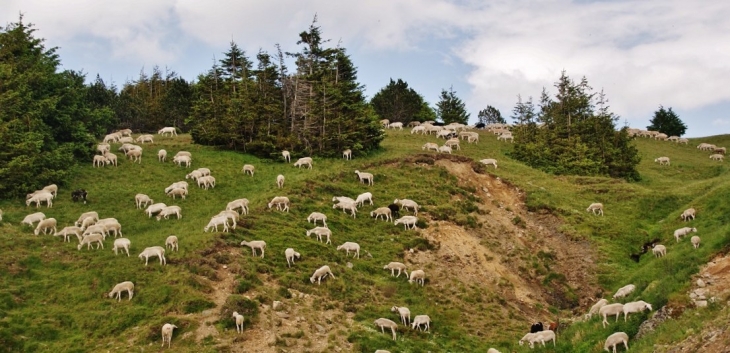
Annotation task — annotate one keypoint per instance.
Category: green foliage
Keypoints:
(668, 122)
(491, 115)
(398, 102)
(450, 108)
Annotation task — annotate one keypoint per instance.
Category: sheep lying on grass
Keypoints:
(153, 251)
(119, 288)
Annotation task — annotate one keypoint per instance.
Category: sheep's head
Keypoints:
(648, 306)
(311, 279)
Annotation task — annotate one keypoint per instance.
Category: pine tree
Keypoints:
(490, 115)
(450, 109)
(399, 103)
(668, 122)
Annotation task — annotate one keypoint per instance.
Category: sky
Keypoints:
(642, 54)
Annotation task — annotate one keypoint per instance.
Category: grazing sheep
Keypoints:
(396, 125)
(179, 184)
(661, 136)
(421, 320)
(346, 205)
(717, 157)
(281, 202)
(154, 208)
(125, 132)
(167, 334)
(673, 138)
(195, 174)
(366, 178)
(489, 161)
(167, 130)
(445, 149)
(687, 214)
(350, 246)
(706, 146)
(596, 206)
(32, 218)
(366, 196)
(232, 215)
(135, 155)
(53, 189)
(317, 216)
(635, 307)
(342, 199)
(162, 155)
(304, 161)
(453, 143)
(153, 251)
(39, 198)
(103, 147)
(239, 321)
(248, 169)
(683, 231)
(121, 243)
(206, 181)
(662, 160)
(256, 244)
(321, 273)
(417, 276)
(624, 291)
(186, 153)
(142, 199)
(110, 138)
(280, 181)
(493, 350)
(290, 255)
(542, 337)
(46, 225)
(659, 250)
(430, 146)
(215, 222)
(320, 232)
(615, 339)
(180, 160)
(392, 266)
(383, 323)
(597, 306)
(144, 138)
(92, 238)
(115, 226)
(610, 309)
(394, 210)
(95, 229)
(385, 122)
(409, 222)
(125, 139)
(121, 287)
(683, 140)
(171, 241)
(384, 351)
(286, 155)
(347, 154)
(506, 137)
(178, 192)
(474, 138)
(238, 204)
(695, 241)
(405, 314)
(382, 211)
(406, 203)
(67, 231)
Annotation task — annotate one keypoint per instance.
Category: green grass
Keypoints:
(53, 296)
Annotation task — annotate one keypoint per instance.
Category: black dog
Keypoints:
(78, 195)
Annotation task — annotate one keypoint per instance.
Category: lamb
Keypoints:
(286, 155)
(239, 321)
(690, 212)
(421, 320)
(350, 246)
(541, 337)
(166, 130)
(615, 339)
(180, 160)
(383, 323)
(382, 211)
(596, 206)
(717, 157)
(92, 238)
(347, 154)
(32, 218)
(256, 244)
(430, 146)
(167, 334)
(417, 276)
(121, 243)
(635, 307)
(624, 291)
(153, 251)
(280, 181)
(366, 178)
(281, 202)
(142, 199)
(102, 147)
(406, 203)
(178, 192)
(121, 287)
(418, 130)
(610, 309)
(409, 222)
(162, 155)
(248, 169)
(444, 149)
(659, 250)
(53, 189)
(320, 232)
(206, 181)
(46, 225)
(321, 273)
(317, 216)
(154, 208)
(695, 241)
(364, 197)
(662, 160)
(135, 155)
(304, 161)
(110, 158)
(67, 231)
(344, 205)
(168, 211)
(489, 161)
(195, 174)
(185, 153)
(236, 204)
(597, 306)
(683, 231)
(392, 266)
(39, 198)
(453, 143)
(215, 222)
(144, 138)
(290, 255)
(171, 241)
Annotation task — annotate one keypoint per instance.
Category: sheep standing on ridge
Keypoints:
(119, 288)
(167, 334)
(615, 339)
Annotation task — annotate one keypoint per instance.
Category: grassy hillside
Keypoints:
(53, 296)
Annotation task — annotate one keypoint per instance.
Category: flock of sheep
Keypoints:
(718, 153)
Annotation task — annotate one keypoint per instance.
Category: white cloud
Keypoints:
(721, 122)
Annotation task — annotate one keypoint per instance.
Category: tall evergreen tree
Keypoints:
(450, 108)
(491, 115)
(668, 122)
(399, 103)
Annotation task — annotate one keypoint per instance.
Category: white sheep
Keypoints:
(206, 182)
(717, 157)
(683, 231)
(321, 273)
(46, 225)
(184, 153)
(67, 231)
(396, 125)
(281, 202)
(125, 132)
(238, 204)
(405, 314)
(180, 160)
(444, 149)
(32, 218)
(421, 320)
(144, 138)
(239, 321)
(659, 250)
(176, 185)
(683, 140)
(255, 244)
(489, 161)
(135, 155)
(167, 130)
(342, 199)
(39, 198)
(87, 222)
(420, 129)
(215, 222)
(695, 241)
(95, 229)
(110, 138)
(167, 334)
(92, 238)
(609, 310)
(392, 266)
(635, 307)
(320, 232)
(506, 137)
(280, 181)
(91, 214)
(382, 211)
(409, 222)
(383, 323)
(154, 208)
(125, 139)
(195, 174)
(286, 155)
(162, 155)
(542, 337)
(406, 203)
(121, 244)
(153, 251)
(417, 276)
(366, 178)
(350, 246)
(248, 169)
(127, 147)
(384, 351)
(624, 291)
(168, 211)
(493, 350)
(615, 339)
(317, 216)
(345, 205)
(53, 189)
(142, 199)
(453, 143)
(171, 241)
(596, 206)
(121, 287)
(1, 215)
(597, 306)
(662, 160)
(178, 192)
(687, 214)
(347, 154)
(103, 147)
(290, 255)
(304, 161)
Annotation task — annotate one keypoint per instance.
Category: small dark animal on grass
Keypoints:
(78, 195)
(553, 326)
(536, 327)
(394, 210)
(480, 125)
(644, 248)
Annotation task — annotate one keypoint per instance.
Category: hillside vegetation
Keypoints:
(530, 230)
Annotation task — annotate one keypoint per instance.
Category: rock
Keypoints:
(277, 305)
(701, 303)
(225, 266)
(282, 315)
(320, 328)
(692, 296)
(208, 312)
(301, 295)
(349, 265)
(649, 325)
(700, 283)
